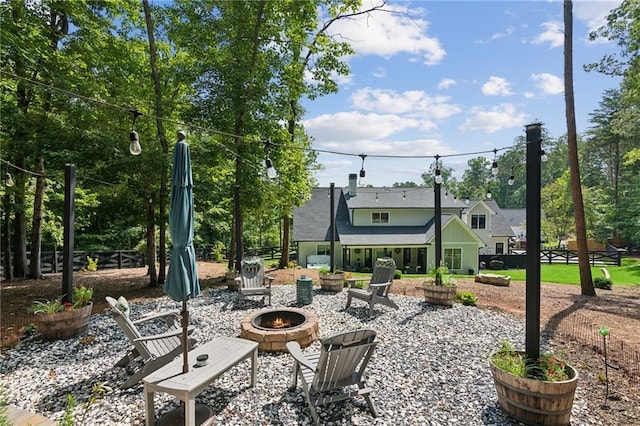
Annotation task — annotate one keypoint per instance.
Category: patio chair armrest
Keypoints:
(238, 280)
(157, 315)
(270, 280)
(380, 285)
(298, 356)
(172, 333)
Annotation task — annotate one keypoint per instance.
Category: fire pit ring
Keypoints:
(291, 324)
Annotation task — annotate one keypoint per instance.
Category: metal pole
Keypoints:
(238, 227)
(532, 313)
(332, 228)
(438, 225)
(69, 218)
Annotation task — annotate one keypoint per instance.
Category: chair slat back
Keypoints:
(252, 272)
(343, 359)
(383, 271)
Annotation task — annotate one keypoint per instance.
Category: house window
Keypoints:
(478, 221)
(379, 217)
(453, 258)
(322, 249)
(499, 248)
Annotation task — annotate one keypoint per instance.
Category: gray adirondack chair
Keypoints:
(252, 280)
(148, 353)
(379, 285)
(333, 373)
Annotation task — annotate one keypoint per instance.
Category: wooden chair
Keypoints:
(252, 281)
(379, 285)
(148, 352)
(332, 374)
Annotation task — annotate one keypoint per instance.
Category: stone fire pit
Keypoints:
(273, 328)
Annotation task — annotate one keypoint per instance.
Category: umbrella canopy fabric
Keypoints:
(182, 280)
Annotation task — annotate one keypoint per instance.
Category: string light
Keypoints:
(512, 178)
(8, 180)
(134, 146)
(494, 166)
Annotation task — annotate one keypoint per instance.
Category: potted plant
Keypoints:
(331, 281)
(56, 319)
(537, 391)
(441, 289)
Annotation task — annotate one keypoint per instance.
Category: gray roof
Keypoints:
(312, 220)
(398, 198)
(515, 217)
(500, 226)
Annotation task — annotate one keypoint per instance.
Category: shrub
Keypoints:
(397, 274)
(92, 263)
(467, 298)
(602, 282)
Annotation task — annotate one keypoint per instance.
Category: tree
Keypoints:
(586, 282)
(558, 222)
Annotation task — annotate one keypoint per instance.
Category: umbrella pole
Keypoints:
(185, 338)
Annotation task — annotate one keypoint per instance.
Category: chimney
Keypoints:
(353, 184)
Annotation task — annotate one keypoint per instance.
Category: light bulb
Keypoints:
(494, 168)
(8, 181)
(438, 177)
(377, 197)
(362, 173)
(489, 194)
(511, 180)
(271, 171)
(543, 156)
(134, 147)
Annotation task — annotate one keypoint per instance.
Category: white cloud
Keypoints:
(552, 34)
(497, 86)
(529, 95)
(387, 34)
(346, 127)
(549, 84)
(496, 36)
(493, 119)
(414, 103)
(379, 72)
(445, 83)
(594, 13)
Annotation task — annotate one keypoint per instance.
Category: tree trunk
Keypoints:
(19, 223)
(151, 245)
(35, 268)
(157, 88)
(586, 283)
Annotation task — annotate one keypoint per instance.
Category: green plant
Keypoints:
(602, 282)
(81, 296)
(92, 264)
(443, 277)
(547, 367)
(467, 298)
(323, 270)
(397, 274)
(47, 306)
(29, 330)
(604, 332)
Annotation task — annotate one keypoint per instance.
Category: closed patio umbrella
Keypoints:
(182, 280)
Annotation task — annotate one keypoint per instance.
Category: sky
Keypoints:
(452, 77)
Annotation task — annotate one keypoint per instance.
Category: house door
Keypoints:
(421, 262)
(406, 258)
(368, 259)
(346, 259)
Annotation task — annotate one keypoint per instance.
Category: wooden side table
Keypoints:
(223, 352)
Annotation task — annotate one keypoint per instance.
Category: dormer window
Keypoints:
(478, 221)
(379, 217)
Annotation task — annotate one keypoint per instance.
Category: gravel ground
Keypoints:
(430, 367)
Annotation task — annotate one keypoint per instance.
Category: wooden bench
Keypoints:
(223, 352)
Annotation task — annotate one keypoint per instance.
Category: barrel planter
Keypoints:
(439, 294)
(536, 402)
(65, 324)
(332, 281)
(232, 284)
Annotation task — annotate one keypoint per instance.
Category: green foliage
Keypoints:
(92, 264)
(68, 418)
(397, 274)
(602, 282)
(81, 296)
(47, 306)
(547, 367)
(29, 330)
(323, 270)
(467, 298)
(442, 274)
